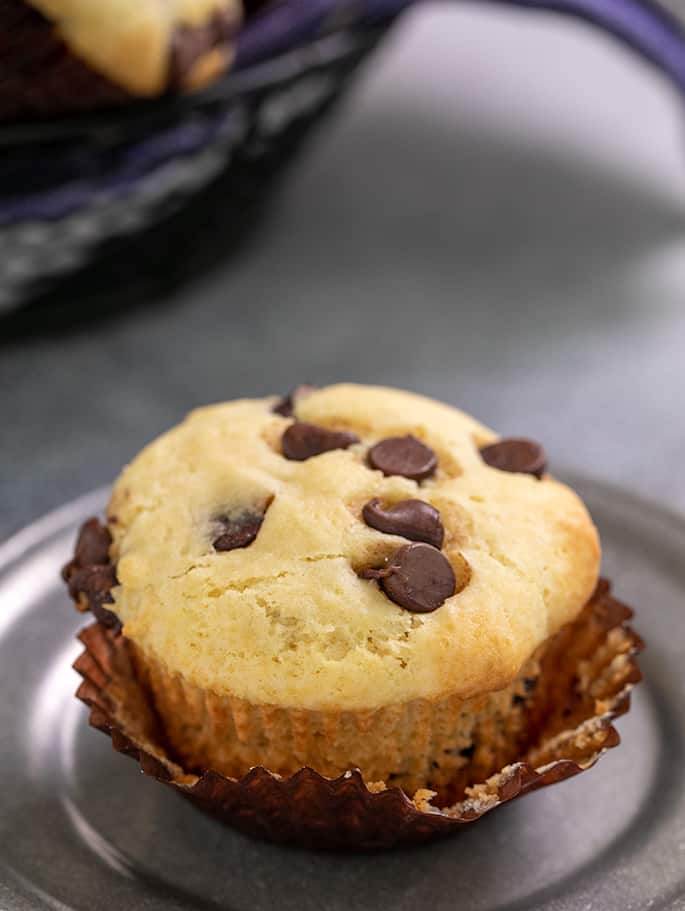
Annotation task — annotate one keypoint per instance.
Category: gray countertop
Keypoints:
(496, 217)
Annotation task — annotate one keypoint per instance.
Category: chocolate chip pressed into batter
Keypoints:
(302, 441)
(405, 456)
(413, 519)
(418, 577)
(237, 531)
(517, 455)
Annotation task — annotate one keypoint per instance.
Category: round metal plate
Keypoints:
(80, 828)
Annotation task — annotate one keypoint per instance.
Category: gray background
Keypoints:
(496, 216)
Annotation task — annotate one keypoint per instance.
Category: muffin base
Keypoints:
(443, 745)
(585, 677)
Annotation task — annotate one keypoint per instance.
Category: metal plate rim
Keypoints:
(28, 542)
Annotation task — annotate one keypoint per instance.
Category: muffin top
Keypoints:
(345, 548)
(146, 46)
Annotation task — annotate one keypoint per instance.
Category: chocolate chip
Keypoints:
(404, 456)
(237, 531)
(92, 546)
(413, 519)
(418, 577)
(95, 583)
(90, 574)
(303, 441)
(517, 455)
(286, 406)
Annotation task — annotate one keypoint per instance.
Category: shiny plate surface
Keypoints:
(80, 828)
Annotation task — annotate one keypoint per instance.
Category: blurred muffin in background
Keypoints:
(59, 57)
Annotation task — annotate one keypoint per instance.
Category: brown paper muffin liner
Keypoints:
(585, 677)
(442, 745)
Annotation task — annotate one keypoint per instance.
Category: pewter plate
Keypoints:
(80, 828)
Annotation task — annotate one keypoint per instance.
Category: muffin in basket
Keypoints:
(351, 617)
(62, 56)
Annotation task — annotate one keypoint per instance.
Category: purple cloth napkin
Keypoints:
(643, 24)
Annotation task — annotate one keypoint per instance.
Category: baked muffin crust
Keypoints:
(286, 620)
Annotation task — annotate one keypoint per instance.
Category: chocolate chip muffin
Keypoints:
(62, 56)
(349, 578)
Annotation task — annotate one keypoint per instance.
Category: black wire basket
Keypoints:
(70, 187)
